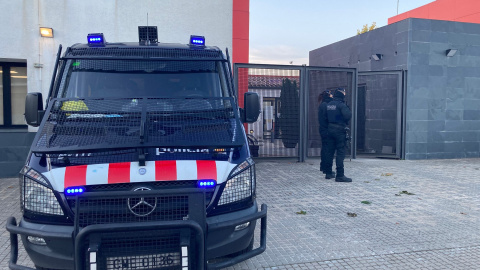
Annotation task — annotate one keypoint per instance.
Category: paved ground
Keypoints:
(436, 227)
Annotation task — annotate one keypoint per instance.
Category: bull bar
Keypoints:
(198, 227)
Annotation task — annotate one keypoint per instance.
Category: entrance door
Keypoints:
(288, 125)
(13, 89)
(379, 114)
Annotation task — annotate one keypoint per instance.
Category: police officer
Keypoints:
(325, 97)
(338, 115)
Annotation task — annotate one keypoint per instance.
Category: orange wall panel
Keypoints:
(474, 18)
(240, 31)
(243, 5)
(399, 17)
(241, 44)
(442, 10)
(419, 13)
(465, 9)
(240, 26)
(447, 10)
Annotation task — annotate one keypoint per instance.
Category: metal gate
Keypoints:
(380, 114)
(288, 122)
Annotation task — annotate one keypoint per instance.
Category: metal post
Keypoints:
(353, 131)
(404, 114)
(303, 115)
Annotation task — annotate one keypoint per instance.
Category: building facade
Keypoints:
(441, 99)
(27, 59)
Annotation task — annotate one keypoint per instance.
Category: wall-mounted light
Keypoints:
(377, 56)
(451, 52)
(46, 32)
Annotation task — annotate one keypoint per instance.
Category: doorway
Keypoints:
(13, 89)
(379, 114)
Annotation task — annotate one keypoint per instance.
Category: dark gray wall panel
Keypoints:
(14, 148)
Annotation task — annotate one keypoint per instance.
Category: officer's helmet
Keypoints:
(326, 94)
(339, 93)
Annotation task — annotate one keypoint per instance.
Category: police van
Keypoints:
(140, 161)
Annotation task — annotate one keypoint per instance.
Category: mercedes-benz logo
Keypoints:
(142, 206)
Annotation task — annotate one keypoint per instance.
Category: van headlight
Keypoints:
(37, 195)
(240, 183)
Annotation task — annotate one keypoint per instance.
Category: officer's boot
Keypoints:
(341, 176)
(343, 179)
(329, 175)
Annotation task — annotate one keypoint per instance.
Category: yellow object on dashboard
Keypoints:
(74, 106)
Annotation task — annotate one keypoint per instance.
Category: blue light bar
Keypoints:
(206, 183)
(197, 40)
(96, 39)
(74, 191)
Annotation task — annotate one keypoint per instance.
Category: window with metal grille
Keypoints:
(136, 78)
(103, 124)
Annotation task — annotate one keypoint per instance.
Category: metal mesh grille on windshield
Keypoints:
(153, 52)
(95, 124)
(143, 66)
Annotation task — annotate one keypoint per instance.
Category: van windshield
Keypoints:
(106, 105)
(137, 78)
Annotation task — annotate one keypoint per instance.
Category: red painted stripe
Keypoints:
(165, 170)
(206, 169)
(75, 176)
(119, 172)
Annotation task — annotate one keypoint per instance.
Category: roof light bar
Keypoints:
(197, 40)
(96, 39)
(206, 183)
(70, 191)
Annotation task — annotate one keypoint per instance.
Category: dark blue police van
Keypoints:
(140, 161)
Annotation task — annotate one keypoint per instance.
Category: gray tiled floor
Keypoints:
(436, 228)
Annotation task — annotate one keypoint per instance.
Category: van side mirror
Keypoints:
(34, 109)
(251, 107)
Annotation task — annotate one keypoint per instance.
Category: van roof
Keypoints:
(132, 50)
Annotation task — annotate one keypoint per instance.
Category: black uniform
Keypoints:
(323, 130)
(338, 115)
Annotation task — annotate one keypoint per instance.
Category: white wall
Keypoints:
(72, 20)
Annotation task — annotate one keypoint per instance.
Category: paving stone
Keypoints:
(436, 228)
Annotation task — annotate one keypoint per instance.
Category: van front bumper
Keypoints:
(220, 239)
